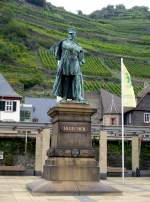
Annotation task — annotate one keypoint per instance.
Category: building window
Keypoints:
(146, 117)
(2, 105)
(9, 106)
(35, 120)
(25, 116)
(130, 118)
(113, 121)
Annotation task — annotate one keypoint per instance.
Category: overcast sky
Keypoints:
(87, 6)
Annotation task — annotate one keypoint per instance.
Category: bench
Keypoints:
(115, 171)
(12, 170)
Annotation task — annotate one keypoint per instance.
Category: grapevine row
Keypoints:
(93, 65)
(134, 67)
(114, 88)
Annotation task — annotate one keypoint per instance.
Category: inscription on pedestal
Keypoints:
(74, 129)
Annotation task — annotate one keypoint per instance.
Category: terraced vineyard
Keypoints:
(137, 68)
(92, 66)
(112, 62)
(47, 59)
(110, 86)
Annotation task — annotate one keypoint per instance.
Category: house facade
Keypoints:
(140, 116)
(9, 102)
(108, 107)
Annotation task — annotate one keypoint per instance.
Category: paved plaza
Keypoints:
(13, 189)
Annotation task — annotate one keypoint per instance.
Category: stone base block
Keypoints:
(74, 169)
(70, 187)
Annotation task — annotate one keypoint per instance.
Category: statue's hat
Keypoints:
(71, 30)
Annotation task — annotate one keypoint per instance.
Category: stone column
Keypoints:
(103, 154)
(135, 154)
(42, 145)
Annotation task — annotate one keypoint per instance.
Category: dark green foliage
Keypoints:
(120, 10)
(8, 159)
(31, 146)
(18, 146)
(7, 147)
(29, 82)
(37, 2)
(15, 31)
(114, 154)
(110, 12)
(80, 12)
(6, 15)
(139, 9)
(145, 155)
(6, 53)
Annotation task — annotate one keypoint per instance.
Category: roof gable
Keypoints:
(40, 108)
(144, 102)
(142, 95)
(110, 102)
(6, 90)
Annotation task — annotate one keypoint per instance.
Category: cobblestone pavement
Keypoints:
(13, 189)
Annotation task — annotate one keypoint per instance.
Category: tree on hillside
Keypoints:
(80, 12)
(120, 10)
(37, 2)
(139, 9)
(6, 15)
(109, 11)
(106, 13)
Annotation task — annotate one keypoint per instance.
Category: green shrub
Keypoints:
(13, 30)
(8, 159)
(6, 53)
(37, 2)
(6, 15)
(29, 82)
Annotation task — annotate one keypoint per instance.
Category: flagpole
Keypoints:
(122, 121)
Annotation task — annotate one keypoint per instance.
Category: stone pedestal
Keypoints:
(71, 167)
(71, 156)
(74, 169)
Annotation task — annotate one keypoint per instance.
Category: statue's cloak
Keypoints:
(69, 82)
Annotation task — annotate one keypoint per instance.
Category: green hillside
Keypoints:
(27, 32)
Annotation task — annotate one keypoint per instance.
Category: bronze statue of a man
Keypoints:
(69, 82)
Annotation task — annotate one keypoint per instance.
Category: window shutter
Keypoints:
(2, 105)
(14, 106)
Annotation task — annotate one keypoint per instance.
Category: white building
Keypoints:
(9, 102)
